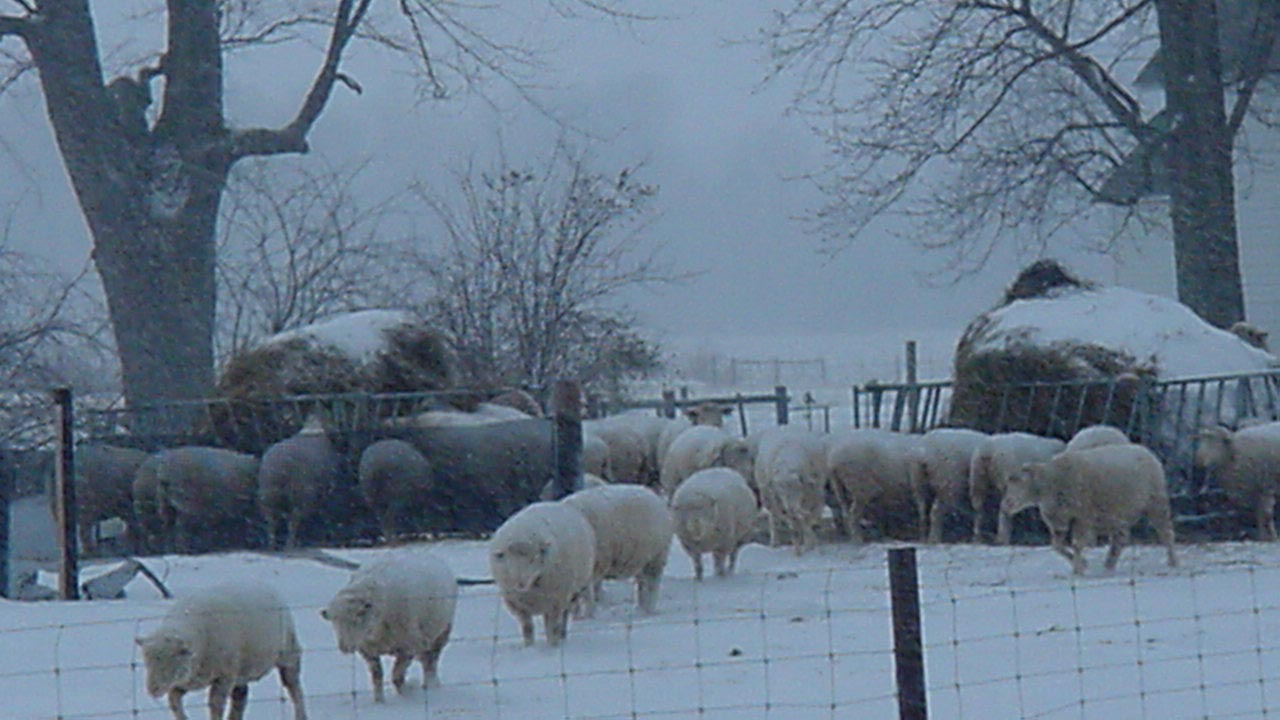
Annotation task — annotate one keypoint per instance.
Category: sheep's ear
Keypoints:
(142, 642)
(324, 613)
(726, 411)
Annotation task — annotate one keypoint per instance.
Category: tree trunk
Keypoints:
(1202, 188)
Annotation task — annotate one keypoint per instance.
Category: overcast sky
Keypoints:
(672, 93)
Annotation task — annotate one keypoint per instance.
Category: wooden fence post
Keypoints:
(908, 637)
(65, 503)
(784, 415)
(567, 408)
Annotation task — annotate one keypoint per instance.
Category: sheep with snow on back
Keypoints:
(1246, 464)
(790, 472)
(633, 530)
(542, 559)
(1105, 489)
(402, 605)
(394, 477)
(223, 638)
(715, 512)
(699, 448)
(869, 473)
(939, 468)
(1096, 436)
(293, 478)
(994, 460)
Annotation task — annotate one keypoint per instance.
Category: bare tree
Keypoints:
(150, 181)
(295, 246)
(996, 121)
(530, 263)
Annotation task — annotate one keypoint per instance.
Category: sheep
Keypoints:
(550, 491)
(223, 638)
(595, 455)
(1103, 489)
(698, 448)
(708, 413)
(627, 449)
(148, 531)
(519, 400)
(484, 414)
(869, 475)
(1097, 436)
(293, 478)
(401, 605)
(714, 512)
(994, 460)
(1246, 463)
(394, 479)
(939, 471)
(203, 489)
(542, 559)
(633, 530)
(790, 472)
(104, 490)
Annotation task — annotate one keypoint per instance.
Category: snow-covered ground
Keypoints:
(1008, 634)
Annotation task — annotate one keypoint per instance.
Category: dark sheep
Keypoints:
(204, 497)
(395, 480)
(104, 489)
(293, 479)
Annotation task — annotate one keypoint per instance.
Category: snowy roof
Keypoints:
(1151, 328)
(359, 335)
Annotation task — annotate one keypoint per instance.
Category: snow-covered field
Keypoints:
(1008, 634)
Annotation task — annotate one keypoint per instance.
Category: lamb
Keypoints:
(1103, 489)
(1097, 436)
(790, 472)
(204, 493)
(698, 448)
(869, 473)
(394, 479)
(104, 489)
(401, 605)
(994, 460)
(1246, 463)
(293, 478)
(223, 638)
(633, 530)
(715, 512)
(939, 468)
(542, 559)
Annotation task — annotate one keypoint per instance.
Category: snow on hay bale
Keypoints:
(371, 351)
(1098, 344)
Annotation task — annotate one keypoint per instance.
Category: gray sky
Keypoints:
(671, 93)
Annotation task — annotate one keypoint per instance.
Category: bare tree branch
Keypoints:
(1263, 43)
(12, 25)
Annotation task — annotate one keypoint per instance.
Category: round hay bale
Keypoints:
(366, 352)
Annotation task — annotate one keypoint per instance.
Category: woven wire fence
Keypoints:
(1007, 633)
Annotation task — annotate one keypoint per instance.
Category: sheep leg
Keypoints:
(720, 561)
(1162, 520)
(1058, 540)
(937, 514)
(526, 624)
(696, 557)
(773, 529)
(239, 699)
(375, 675)
(218, 699)
(1119, 538)
(733, 560)
(292, 528)
(292, 682)
(1267, 517)
(399, 670)
(431, 660)
(853, 522)
(1081, 538)
(175, 704)
(647, 587)
(556, 624)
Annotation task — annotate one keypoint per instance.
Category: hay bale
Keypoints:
(371, 351)
(1060, 352)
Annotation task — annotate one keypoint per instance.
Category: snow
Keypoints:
(1148, 327)
(359, 335)
(1007, 632)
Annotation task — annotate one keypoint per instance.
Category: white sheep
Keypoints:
(868, 470)
(402, 605)
(1097, 436)
(542, 559)
(1246, 463)
(628, 451)
(633, 530)
(791, 475)
(595, 455)
(1105, 489)
(550, 491)
(939, 468)
(994, 460)
(223, 638)
(699, 448)
(715, 512)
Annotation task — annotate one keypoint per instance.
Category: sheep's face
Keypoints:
(1022, 488)
(521, 563)
(170, 660)
(354, 616)
(1213, 446)
(712, 414)
(736, 455)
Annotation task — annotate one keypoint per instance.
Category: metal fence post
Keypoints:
(65, 487)
(784, 415)
(669, 404)
(567, 407)
(908, 637)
